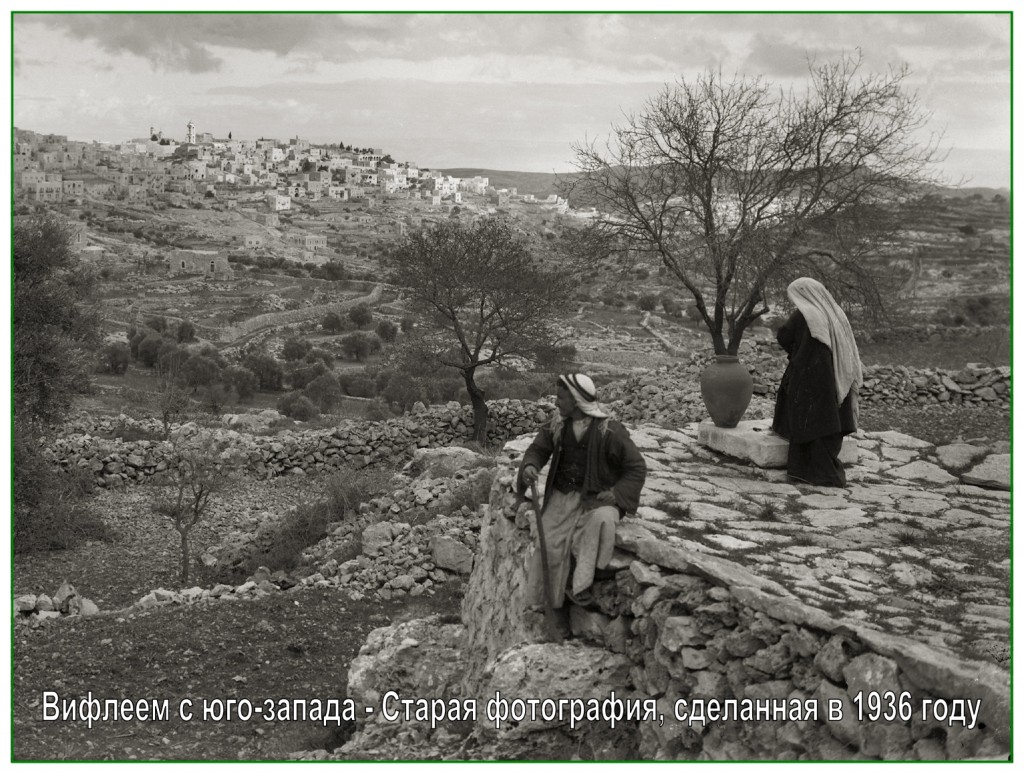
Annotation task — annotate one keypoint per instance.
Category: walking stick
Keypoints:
(554, 633)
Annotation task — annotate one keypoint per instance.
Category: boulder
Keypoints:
(422, 657)
(992, 473)
(83, 607)
(64, 593)
(26, 603)
(450, 554)
(445, 461)
(377, 536)
(957, 456)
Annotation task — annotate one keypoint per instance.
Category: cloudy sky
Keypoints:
(501, 91)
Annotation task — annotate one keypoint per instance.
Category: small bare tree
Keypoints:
(171, 399)
(737, 188)
(198, 468)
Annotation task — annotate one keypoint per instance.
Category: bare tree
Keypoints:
(737, 187)
(199, 467)
(171, 399)
(486, 298)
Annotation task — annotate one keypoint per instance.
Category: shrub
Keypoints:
(186, 332)
(307, 524)
(297, 406)
(555, 358)
(301, 374)
(407, 324)
(116, 357)
(149, 349)
(387, 331)
(171, 360)
(158, 324)
(215, 397)
(324, 392)
(321, 355)
(242, 381)
(377, 411)
(295, 349)
(199, 371)
(332, 322)
(268, 371)
(49, 508)
(359, 386)
(404, 390)
(360, 345)
(361, 314)
(210, 351)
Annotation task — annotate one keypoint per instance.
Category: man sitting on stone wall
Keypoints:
(595, 478)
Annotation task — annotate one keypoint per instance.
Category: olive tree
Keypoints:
(485, 298)
(737, 187)
(199, 468)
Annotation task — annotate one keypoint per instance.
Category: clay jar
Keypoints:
(726, 387)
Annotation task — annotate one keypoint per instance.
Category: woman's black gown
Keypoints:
(807, 412)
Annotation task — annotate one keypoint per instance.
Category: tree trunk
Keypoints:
(476, 395)
(718, 341)
(184, 557)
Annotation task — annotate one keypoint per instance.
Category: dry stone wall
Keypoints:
(670, 394)
(114, 462)
(666, 396)
(288, 317)
(684, 634)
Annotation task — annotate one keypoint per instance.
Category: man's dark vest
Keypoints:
(572, 461)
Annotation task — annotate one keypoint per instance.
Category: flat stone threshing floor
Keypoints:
(906, 547)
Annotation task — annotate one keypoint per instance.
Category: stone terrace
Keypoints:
(907, 548)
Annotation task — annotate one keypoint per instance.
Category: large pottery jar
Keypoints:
(726, 387)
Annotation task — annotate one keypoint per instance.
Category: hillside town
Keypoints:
(290, 199)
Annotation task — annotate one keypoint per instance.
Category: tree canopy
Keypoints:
(55, 330)
(737, 187)
(486, 298)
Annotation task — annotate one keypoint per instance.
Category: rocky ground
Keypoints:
(909, 546)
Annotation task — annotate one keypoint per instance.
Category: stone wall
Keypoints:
(357, 444)
(678, 629)
(667, 396)
(288, 317)
(671, 393)
(931, 332)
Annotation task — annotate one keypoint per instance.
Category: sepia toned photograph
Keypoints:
(544, 385)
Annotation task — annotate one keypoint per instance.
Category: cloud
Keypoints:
(188, 41)
(634, 43)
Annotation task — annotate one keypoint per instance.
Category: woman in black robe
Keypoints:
(817, 398)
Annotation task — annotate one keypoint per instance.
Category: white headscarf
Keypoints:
(828, 324)
(584, 393)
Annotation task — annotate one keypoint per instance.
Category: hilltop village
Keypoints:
(266, 198)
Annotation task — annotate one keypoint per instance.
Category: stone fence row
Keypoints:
(665, 396)
(931, 332)
(287, 317)
(115, 462)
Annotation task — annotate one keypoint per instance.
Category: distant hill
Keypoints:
(966, 193)
(545, 183)
(536, 183)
